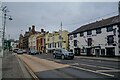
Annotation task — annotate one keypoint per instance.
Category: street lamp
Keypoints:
(5, 16)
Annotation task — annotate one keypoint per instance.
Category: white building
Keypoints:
(101, 38)
(32, 41)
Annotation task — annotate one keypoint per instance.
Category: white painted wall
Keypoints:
(98, 39)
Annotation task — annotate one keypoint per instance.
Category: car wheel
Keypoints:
(72, 58)
(54, 56)
(63, 57)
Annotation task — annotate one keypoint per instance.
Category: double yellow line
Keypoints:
(34, 77)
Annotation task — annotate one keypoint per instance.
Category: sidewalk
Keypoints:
(0, 68)
(99, 58)
(13, 68)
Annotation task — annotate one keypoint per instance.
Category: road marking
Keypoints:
(96, 66)
(28, 69)
(92, 66)
(108, 70)
(93, 71)
(75, 64)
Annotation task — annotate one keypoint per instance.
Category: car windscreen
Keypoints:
(63, 50)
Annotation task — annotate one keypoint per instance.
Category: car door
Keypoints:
(59, 53)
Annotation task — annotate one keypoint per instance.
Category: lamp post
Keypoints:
(5, 16)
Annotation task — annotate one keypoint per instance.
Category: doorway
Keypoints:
(77, 51)
(97, 52)
(89, 50)
(110, 51)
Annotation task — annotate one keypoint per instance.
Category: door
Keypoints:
(77, 51)
(110, 51)
(89, 51)
(58, 53)
(97, 52)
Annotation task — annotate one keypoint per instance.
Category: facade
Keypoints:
(37, 41)
(54, 40)
(25, 38)
(15, 44)
(32, 41)
(21, 41)
(41, 43)
(100, 38)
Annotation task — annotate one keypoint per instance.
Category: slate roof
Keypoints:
(97, 24)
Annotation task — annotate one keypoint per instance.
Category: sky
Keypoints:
(49, 15)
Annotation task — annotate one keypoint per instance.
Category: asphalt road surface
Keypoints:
(45, 66)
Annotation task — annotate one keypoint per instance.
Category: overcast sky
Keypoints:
(48, 15)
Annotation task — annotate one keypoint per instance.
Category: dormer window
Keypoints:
(98, 31)
(89, 32)
(81, 34)
(75, 35)
(110, 28)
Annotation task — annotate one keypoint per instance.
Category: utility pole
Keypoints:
(1, 30)
(4, 23)
(61, 34)
(119, 11)
(119, 22)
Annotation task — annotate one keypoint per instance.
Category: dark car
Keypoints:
(15, 50)
(62, 53)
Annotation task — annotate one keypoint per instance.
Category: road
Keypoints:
(45, 66)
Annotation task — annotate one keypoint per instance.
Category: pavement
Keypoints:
(13, 68)
(0, 68)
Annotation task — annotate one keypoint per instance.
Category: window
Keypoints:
(49, 45)
(47, 39)
(83, 50)
(98, 31)
(64, 41)
(75, 35)
(89, 32)
(89, 41)
(110, 28)
(75, 42)
(110, 39)
(81, 34)
(60, 37)
(59, 44)
(55, 45)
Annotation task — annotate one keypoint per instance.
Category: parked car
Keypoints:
(24, 51)
(20, 51)
(33, 52)
(15, 50)
(62, 53)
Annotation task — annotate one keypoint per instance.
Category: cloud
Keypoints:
(48, 15)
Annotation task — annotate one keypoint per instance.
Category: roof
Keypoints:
(97, 24)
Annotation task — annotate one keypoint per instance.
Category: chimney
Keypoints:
(42, 30)
(29, 28)
(33, 28)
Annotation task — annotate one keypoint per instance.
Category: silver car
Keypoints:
(20, 51)
(62, 53)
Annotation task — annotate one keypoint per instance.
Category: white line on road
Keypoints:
(108, 70)
(92, 66)
(96, 66)
(93, 71)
